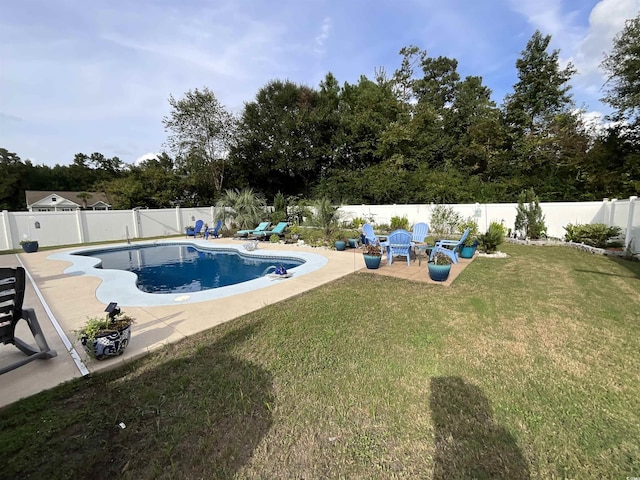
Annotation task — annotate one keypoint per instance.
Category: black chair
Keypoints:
(12, 283)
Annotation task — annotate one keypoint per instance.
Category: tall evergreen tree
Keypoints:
(622, 66)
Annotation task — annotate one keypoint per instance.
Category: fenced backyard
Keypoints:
(526, 367)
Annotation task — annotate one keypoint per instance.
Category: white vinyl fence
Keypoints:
(87, 226)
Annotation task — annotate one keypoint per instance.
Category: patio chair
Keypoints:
(245, 233)
(399, 244)
(453, 245)
(369, 235)
(419, 232)
(277, 230)
(12, 285)
(196, 230)
(215, 232)
(447, 251)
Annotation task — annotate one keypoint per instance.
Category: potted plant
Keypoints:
(469, 246)
(340, 243)
(295, 232)
(108, 336)
(439, 267)
(29, 246)
(372, 254)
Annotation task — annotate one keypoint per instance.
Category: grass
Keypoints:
(526, 367)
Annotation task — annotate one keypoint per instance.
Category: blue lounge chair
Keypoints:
(215, 232)
(369, 235)
(260, 228)
(12, 286)
(399, 244)
(453, 245)
(277, 230)
(195, 231)
(419, 232)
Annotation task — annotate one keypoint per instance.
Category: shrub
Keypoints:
(494, 236)
(399, 222)
(472, 225)
(278, 216)
(357, 222)
(529, 217)
(326, 217)
(593, 234)
(274, 238)
(444, 220)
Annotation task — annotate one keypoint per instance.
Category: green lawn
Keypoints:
(527, 367)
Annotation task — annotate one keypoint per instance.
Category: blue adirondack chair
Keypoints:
(420, 231)
(399, 244)
(215, 232)
(452, 245)
(369, 236)
(277, 230)
(196, 230)
(447, 251)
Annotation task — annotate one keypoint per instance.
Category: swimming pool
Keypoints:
(121, 285)
(181, 268)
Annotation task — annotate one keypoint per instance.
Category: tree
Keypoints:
(542, 89)
(622, 66)
(529, 217)
(279, 144)
(539, 96)
(200, 133)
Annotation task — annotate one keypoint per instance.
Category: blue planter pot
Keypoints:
(30, 247)
(372, 261)
(340, 245)
(468, 252)
(438, 273)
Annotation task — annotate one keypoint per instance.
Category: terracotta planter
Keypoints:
(372, 261)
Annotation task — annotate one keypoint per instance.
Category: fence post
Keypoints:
(80, 229)
(612, 211)
(136, 222)
(179, 220)
(627, 236)
(6, 227)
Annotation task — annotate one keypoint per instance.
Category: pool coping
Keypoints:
(120, 285)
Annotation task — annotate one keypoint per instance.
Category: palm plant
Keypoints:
(243, 207)
(326, 217)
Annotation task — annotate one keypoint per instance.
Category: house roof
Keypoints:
(34, 196)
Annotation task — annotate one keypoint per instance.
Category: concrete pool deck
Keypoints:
(67, 300)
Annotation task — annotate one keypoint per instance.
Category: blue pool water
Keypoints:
(180, 268)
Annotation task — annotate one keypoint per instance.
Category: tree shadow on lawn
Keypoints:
(469, 443)
(632, 266)
(199, 415)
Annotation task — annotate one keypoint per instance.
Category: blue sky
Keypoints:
(95, 76)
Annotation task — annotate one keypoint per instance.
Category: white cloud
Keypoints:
(146, 156)
(324, 35)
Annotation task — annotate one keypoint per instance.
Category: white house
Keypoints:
(42, 201)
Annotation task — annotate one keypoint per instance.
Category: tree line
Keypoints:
(419, 135)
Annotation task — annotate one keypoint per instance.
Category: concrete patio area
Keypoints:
(63, 302)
